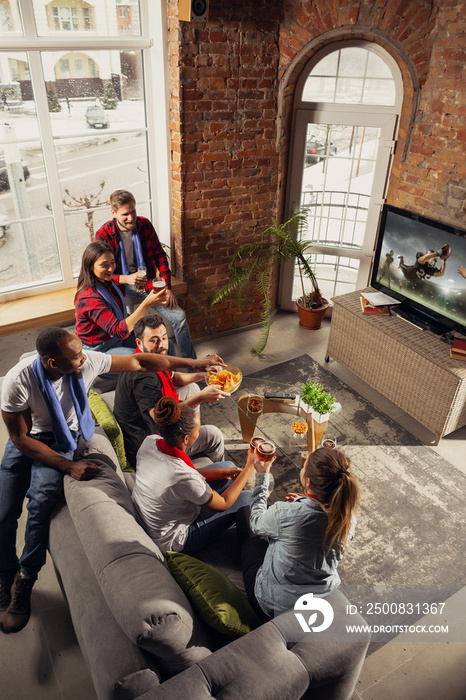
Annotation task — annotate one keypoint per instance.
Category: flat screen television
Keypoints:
(420, 262)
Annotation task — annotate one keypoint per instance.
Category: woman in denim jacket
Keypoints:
(306, 535)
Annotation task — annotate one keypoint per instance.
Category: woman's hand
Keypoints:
(263, 467)
(154, 298)
(291, 497)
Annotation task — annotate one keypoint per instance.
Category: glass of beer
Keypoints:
(255, 404)
(158, 285)
(255, 441)
(265, 450)
(141, 273)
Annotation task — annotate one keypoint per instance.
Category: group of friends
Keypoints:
(289, 549)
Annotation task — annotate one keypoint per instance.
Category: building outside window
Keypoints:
(58, 167)
(65, 19)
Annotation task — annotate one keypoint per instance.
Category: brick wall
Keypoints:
(233, 83)
(432, 180)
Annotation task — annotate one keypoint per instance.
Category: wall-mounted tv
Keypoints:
(422, 263)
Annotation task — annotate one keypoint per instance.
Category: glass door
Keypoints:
(342, 145)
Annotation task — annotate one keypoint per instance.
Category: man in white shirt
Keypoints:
(44, 407)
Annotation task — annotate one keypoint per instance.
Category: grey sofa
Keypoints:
(138, 632)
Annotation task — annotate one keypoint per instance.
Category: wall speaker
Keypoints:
(193, 10)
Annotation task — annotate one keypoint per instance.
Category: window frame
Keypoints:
(385, 117)
(153, 44)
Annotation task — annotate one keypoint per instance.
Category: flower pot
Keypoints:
(319, 417)
(311, 318)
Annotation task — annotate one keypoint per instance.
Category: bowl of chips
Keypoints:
(227, 377)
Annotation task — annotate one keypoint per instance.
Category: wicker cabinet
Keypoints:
(409, 366)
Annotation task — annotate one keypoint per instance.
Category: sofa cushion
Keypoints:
(104, 416)
(136, 684)
(139, 590)
(107, 650)
(217, 601)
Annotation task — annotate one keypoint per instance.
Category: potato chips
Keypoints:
(225, 379)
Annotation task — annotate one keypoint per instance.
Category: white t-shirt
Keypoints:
(168, 494)
(21, 391)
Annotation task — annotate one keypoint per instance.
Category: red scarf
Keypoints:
(168, 388)
(167, 449)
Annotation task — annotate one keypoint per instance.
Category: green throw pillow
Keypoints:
(104, 417)
(215, 598)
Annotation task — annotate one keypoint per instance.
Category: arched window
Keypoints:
(345, 120)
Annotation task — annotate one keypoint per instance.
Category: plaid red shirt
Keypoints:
(152, 251)
(95, 321)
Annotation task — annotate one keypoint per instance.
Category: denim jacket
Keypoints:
(295, 561)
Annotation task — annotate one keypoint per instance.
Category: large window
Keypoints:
(345, 121)
(77, 121)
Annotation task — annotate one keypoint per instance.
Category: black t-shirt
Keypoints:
(136, 393)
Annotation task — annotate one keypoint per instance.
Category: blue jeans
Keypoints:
(176, 316)
(21, 477)
(115, 346)
(210, 523)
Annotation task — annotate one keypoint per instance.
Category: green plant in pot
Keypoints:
(255, 262)
(315, 396)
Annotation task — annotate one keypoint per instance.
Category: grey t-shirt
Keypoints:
(168, 494)
(127, 238)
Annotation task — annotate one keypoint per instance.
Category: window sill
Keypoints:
(48, 309)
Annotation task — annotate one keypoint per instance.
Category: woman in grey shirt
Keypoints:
(306, 535)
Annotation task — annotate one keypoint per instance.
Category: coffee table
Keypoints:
(294, 448)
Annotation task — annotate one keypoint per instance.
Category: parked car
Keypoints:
(96, 118)
(4, 183)
(315, 151)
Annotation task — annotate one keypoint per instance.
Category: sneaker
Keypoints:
(19, 611)
(5, 598)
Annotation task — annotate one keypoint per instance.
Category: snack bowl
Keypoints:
(219, 378)
(299, 428)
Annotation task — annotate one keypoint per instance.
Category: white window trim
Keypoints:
(382, 116)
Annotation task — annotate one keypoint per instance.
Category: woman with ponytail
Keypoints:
(179, 508)
(306, 535)
(102, 322)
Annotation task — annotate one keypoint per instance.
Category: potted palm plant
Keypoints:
(254, 262)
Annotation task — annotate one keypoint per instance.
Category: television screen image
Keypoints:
(422, 263)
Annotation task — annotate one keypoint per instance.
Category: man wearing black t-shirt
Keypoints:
(136, 396)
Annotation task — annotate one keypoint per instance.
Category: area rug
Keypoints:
(411, 521)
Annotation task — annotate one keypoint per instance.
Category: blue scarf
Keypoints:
(63, 438)
(136, 247)
(119, 311)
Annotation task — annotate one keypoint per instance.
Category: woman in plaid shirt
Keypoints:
(102, 322)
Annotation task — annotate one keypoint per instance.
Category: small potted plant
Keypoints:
(254, 262)
(321, 403)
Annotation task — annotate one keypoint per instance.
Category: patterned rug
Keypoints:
(411, 521)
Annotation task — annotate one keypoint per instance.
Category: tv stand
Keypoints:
(409, 366)
(424, 323)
